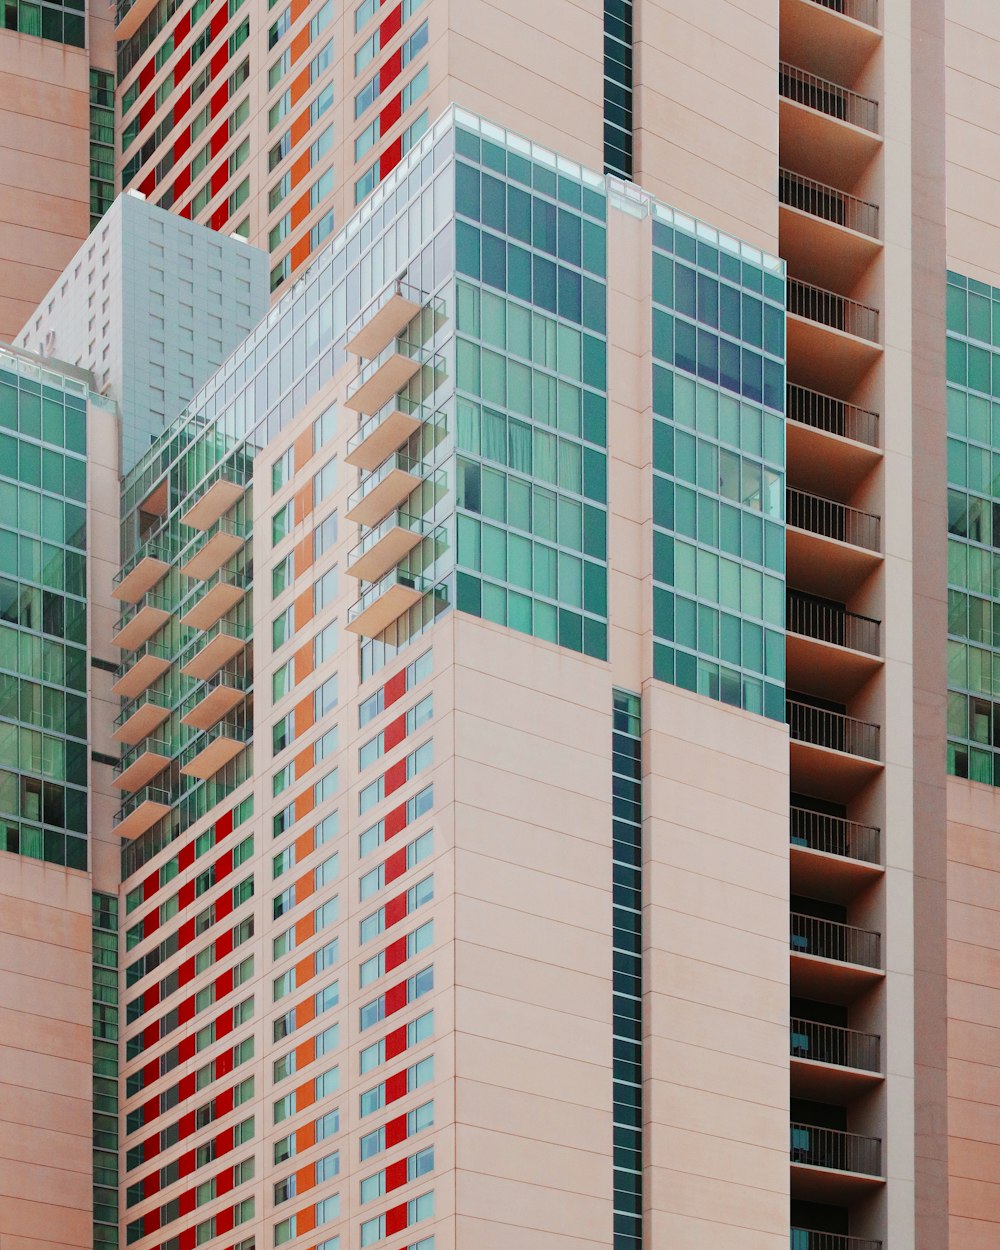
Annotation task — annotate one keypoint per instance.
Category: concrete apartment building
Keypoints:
(552, 731)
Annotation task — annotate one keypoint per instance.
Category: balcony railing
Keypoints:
(149, 600)
(827, 308)
(833, 1148)
(149, 697)
(827, 97)
(835, 836)
(829, 622)
(823, 412)
(833, 520)
(150, 550)
(808, 1239)
(828, 1043)
(829, 939)
(819, 200)
(149, 746)
(146, 794)
(862, 11)
(823, 728)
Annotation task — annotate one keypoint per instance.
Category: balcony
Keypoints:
(215, 699)
(829, 1165)
(224, 493)
(829, 440)
(381, 435)
(831, 548)
(136, 722)
(829, 651)
(831, 961)
(137, 624)
(827, 236)
(385, 489)
(835, 38)
(824, 126)
(384, 377)
(222, 643)
(138, 673)
(832, 857)
(809, 1239)
(138, 766)
(385, 602)
(384, 319)
(141, 811)
(227, 590)
(832, 340)
(386, 545)
(209, 553)
(831, 755)
(146, 569)
(214, 750)
(832, 1064)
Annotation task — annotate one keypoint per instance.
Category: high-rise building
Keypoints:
(555, 759)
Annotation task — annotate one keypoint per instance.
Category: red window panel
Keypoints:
(151, 885)
(220, 98)
(395, 910)
(185, 1011)
(185, 897)
(219, 19)
(395, 821)
(186, 1202)
(148, 185)
(395, 1219)
(395, 1131)
(391, 113)
(395, 1044)
(395, 777)
(181, 67)
(185, 1048)
(394, 688)
(224, 826)
(390, 158)
(394, 733)
(182, 27)
(151, 997)
(224, 1221)
(146, 75)
(395, 954)
(395, 1175)
(220, 176)
(390, 25)
(395, 1086)
(391, 69)
(185, 856)
(183, 179)
(395, 998)
(146, 111)
(395, 866)
(185, 971)
(219, 59)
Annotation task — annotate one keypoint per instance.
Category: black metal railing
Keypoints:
(827, 308)
(827, 97)
(833, 1148)
(835, 416)
(809, 1239)
(819, 200)
(834, 835)
(828, 1043)
(829, 939)
(832, 519)
(823, 728)
(862, 11)
(830, 622)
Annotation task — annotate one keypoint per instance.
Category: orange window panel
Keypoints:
(305, 1137)
(304, 609)
(300, 127)
(305, 1179)
(305, 928)
(301, 167)
(303, 970)
(305, 1053)
(305, 1096)
(303, 667)
(304, 442)
(304, 553)
(303, 806)
(301, 41)
(303, 502)
(305, 1220)
(304, 846)
(300, 210)
(303, 762)
(305, 715)
(300, 85)
(300, 252)
(305, 1012)
(298, 8)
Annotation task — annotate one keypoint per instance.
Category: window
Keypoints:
(325, 481)
(278, 192)
(279, 232)
(325, 590)
(239, 197)
(365, 141)
(325, 644)
(321, 20)
(279, 109)
(282, 575)
(319, 106)
(282, 628)
(325, 698)
(279, 28)
(321, 62)
(281, 680)
(321, 147)
(279, 69)
(278, 151)
(364, 13)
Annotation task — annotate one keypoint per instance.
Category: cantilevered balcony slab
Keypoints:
(214, 704)
(377, 502)
(833, 40)
(140, 675)
(214, 503)
(827, 670)
(141, 722)
(813, 142)
(825, 358)
(827, 1082)
(829, 774)
(213, 554)
(391, 316)
(384, 603)
(213, 606)
(826, 566)
(218, 651)
(148, 621)
(147, 765)
(215, 754)
(379, 437)
(823, 252)
(147, 573)
(153, 806)
(384, 547)
(835, 878)
(386, 380)
(821, 458)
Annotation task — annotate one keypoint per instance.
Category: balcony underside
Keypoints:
(144, 817)
(827, 464)
(140, 773)
(822, 252)
(828, 774)
(146, 622)
(386, 381)
(146, 574)
(830, 980)
(216, 502)
(812, 143)
(825, 42)
(388, 607)
(216, 704)
(219, 549)
(385, 325)
(388, 436)
(825, 670)
(207, 662)
(826, 359)
(835, 878)
(387, 552)
(826, 566)
(141, 723)
(140, 676)
(213, 606)
(813, 1184)
(216, 755)
(829, 1082)
(396, 486)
